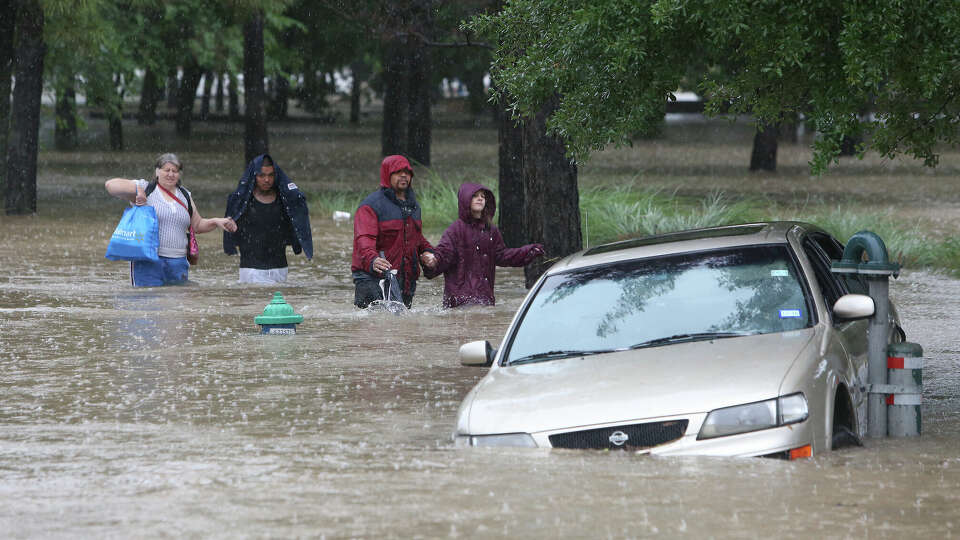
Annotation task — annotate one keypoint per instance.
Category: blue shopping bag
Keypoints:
(137, 236)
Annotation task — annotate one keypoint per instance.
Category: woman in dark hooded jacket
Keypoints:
(471, 248)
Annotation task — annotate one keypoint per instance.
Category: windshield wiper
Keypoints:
(554, 355)
(685, 338)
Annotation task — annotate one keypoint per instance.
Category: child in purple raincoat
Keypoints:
(471, 248)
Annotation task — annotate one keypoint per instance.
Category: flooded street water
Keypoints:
(162, 413)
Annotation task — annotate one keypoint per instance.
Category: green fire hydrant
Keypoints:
(278, 317)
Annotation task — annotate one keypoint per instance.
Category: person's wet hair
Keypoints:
(169, 158)
(163, 159)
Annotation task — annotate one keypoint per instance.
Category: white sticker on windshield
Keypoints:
(779, 273)
(789, 313)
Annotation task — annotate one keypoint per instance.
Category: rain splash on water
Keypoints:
(162, 412)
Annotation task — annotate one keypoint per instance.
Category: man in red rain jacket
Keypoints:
(388, 223)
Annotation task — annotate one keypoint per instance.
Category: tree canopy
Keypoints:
(886, 70)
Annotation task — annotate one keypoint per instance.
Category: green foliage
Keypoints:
(613, 64)
(886, 69)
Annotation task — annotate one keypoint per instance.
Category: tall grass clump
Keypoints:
(946, 255)
(437, 196)
(327, 202)
(609, 214)
(906, 243)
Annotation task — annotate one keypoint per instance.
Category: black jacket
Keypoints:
(294, 207)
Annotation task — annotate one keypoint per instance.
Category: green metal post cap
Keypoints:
(278, 311)
(878, 261)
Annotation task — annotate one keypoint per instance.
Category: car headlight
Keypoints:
(754, 416)
(521, 440)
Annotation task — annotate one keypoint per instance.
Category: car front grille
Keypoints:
(633, 437)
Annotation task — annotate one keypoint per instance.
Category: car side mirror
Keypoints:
(854, 306)
(477, 353)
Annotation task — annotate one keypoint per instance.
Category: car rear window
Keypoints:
(743, 290)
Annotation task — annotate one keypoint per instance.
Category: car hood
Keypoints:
(680, 379)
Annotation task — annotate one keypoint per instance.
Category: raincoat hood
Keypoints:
(467, 191)
(392, 164)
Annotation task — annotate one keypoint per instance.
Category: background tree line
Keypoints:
(568, 77)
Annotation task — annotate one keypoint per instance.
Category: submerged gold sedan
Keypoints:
(728, 341)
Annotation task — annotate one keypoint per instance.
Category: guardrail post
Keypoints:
(905, 365)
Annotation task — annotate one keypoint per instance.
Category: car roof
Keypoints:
(771, 232)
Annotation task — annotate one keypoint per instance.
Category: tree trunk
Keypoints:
(789, 128)
(173, 88)
(116, 131)
(512, 201)
(233, 97)
(255, 132)
(764, 155)
(149, 95)
(552, 200)
(312, 91)
(115, 116)
(478, 98)
(280, 97)
(419, 120)
(65, 125)
(393, 134)
(205, 99)
(192, 73)
(6, 76)
(219, 93)
(269, 103)
(849, 145)
(355, 86)
(25, 126)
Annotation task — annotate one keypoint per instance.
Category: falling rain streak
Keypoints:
(162, 412)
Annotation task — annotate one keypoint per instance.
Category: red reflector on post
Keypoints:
(802, 452)
(894, 362)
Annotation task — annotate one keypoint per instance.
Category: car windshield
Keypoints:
(656, 301)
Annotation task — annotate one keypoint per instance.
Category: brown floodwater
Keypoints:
(163, 413)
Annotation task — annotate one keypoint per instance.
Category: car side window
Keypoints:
(834, 250)
(831, 288)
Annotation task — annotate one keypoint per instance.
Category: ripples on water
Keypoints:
(162, 412)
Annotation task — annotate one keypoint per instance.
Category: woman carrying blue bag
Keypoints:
(176, 214)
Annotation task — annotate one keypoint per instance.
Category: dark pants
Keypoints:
(368, 290)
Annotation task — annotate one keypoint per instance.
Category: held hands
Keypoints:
(227, 224)
(428, 259)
